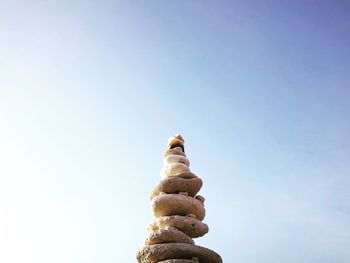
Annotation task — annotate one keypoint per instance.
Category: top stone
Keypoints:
(175, 141)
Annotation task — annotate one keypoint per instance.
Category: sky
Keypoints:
(90, 91)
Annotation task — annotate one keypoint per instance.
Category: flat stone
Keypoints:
(175, 158)
(186, 175)
(159, 252)
(174, 169)
(168, 235)
(174, 185)
(175, 204)
(175, 141)
(179, 261)
(189, 225)
(176, 150)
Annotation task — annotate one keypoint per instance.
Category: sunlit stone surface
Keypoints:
(178, 212)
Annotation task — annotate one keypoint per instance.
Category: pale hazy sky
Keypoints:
(91, 90)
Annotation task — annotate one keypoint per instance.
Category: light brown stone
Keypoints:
(174, 185)
(175, 141)
(189, 225)
(168, 235)
(200, 198)
(187, 175)
(175, 158)
(195, 260)
(192, 215)
(174, 169)
(159, 252)
(178, 136)
(175, 204)
(178, 212)
(176, 150)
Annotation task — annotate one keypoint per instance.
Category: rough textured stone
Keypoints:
(174, 169)
(178, 211)
(176, 150)
(200, 198)
(174, 185)
(175, 141)
(159, 252)
(189, 225)
(174, 204)
(195, 260)
(168, 235)
(175, 158)
(184, 175)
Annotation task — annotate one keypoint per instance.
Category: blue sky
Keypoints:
(91, 91)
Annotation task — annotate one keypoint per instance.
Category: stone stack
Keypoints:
(178, 212)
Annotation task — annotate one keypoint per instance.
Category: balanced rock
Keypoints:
(159, 252)
(174, 185)
(178, 212)
(195, 260)
(168, 235)
(177, 204)
(189, 225)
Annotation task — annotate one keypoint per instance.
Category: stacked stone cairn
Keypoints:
(178, 212)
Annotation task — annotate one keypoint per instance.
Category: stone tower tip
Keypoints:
(178, 135)
(176, 141)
